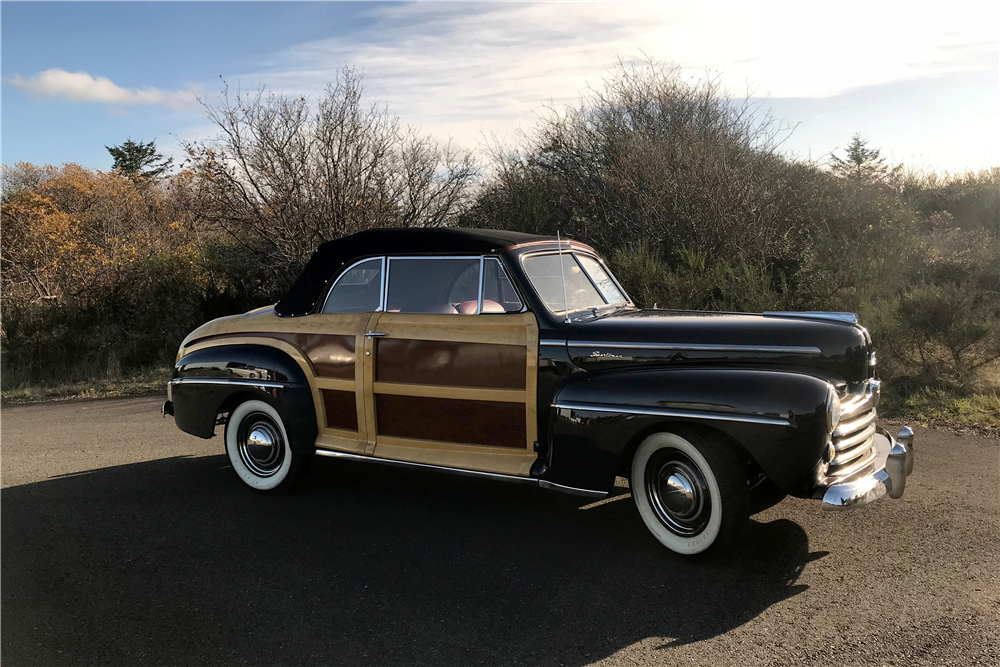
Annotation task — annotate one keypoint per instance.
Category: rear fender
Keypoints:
(215, 379)
(779, 419)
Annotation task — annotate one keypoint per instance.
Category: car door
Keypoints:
(451, 372)
(335, 344)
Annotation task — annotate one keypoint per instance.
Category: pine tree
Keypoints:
(139, 159)
(860, 161)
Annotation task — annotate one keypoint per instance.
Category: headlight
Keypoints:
(832, 409)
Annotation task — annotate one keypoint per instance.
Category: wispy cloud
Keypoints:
(84, 87)
(457, 69)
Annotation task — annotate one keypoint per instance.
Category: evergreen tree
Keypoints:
(859, 161)
(139, 159)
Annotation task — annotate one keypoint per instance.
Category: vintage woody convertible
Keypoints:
(520, 358)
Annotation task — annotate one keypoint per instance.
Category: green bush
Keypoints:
(681, 186)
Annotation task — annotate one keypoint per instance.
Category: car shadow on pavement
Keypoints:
(174, 561)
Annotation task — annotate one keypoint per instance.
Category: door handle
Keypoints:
(372, 334)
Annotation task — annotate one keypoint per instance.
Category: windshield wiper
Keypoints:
(604, 311)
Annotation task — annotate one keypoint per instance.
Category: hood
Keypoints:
(837, 350)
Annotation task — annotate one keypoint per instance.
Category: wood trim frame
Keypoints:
(262, 329)
(366, 368)
(452, 455)
(519, 329)
(438, 391)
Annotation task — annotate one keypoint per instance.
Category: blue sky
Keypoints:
(923, 86)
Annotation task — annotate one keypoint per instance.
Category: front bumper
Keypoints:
(893, 464)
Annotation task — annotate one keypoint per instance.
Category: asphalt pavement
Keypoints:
(127, 542)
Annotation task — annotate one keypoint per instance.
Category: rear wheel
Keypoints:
(690, 491)
(258, 447)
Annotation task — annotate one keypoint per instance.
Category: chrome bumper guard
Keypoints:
(893, 464)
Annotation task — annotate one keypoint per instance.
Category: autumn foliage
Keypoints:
(683, 189)
(97, 269)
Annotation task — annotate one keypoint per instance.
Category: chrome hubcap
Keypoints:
(678, 492)
(261, 447)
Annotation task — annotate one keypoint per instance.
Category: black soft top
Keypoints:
(332, 256)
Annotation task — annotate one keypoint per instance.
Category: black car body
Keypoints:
(521, 358)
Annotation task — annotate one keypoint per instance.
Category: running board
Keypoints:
(532, 481)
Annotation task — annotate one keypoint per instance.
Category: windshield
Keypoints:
(588, 285)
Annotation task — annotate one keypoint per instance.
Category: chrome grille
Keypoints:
(854, 438)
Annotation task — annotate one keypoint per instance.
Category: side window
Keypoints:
(358, 290)
(433, 285)
(499, 295)
(466, 284)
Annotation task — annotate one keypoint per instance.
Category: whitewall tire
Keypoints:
(690, 492)
(258, 447)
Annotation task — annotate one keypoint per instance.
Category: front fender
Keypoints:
(212, 378)
(779, 418)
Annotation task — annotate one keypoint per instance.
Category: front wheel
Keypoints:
(258, 447)
(690, 491)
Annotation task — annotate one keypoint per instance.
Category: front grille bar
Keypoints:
(854, 467)
(847, 428)
(857, 438)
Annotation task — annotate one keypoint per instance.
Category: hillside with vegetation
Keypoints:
(683, 189)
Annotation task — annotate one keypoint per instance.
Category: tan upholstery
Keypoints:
(469, 307)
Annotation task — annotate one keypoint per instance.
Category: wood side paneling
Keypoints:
(450, 363)
(451, 420)
(341, 409)
(332, 356)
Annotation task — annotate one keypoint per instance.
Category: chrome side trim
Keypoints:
(697, 347)
(533, 481)
(238, 381)
(546, 342)
(571, 490)
(850, 318)
(693, 414)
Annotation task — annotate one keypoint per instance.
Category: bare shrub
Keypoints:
(650, 157)
(284, 175)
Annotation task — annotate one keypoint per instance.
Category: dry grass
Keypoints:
(931, 407)
(149, 381)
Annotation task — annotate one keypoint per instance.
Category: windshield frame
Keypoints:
(576, 311)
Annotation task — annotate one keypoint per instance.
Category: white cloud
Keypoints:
(460, 69)
(83, 87)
